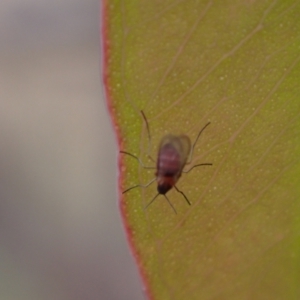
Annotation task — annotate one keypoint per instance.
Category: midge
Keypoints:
(175, 152)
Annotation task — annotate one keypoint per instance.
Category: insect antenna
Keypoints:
(167, 200)
(151, 201)
(171, 204)
(193, 146)
(182, 193)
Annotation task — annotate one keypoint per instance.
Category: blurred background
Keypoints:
(60, 227)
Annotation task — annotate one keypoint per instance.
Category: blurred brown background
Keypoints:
(60, 226)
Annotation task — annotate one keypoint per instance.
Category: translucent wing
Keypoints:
(181, 145)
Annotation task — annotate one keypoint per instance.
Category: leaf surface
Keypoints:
(237, 65)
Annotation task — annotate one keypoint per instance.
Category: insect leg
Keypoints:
(139, 185)
(140, 162)
(182, 193)
(198, 165)
(193, 146)
(149, 135)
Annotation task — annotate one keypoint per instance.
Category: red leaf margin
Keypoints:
(105, 50)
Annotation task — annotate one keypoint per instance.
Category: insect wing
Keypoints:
(181, 146)
(185, 143)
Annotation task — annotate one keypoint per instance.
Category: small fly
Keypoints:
(175, 152)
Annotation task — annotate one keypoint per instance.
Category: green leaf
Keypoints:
(237, 65)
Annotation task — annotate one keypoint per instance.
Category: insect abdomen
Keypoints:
(168, 163)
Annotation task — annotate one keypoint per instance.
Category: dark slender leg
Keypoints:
(139, 185)
(149, 135)
(198, 165)
(193, 146)
(182, 193)
(140, 162)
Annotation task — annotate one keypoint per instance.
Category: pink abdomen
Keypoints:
(168, 161)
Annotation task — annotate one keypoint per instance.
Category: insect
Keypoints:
(175, 152)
